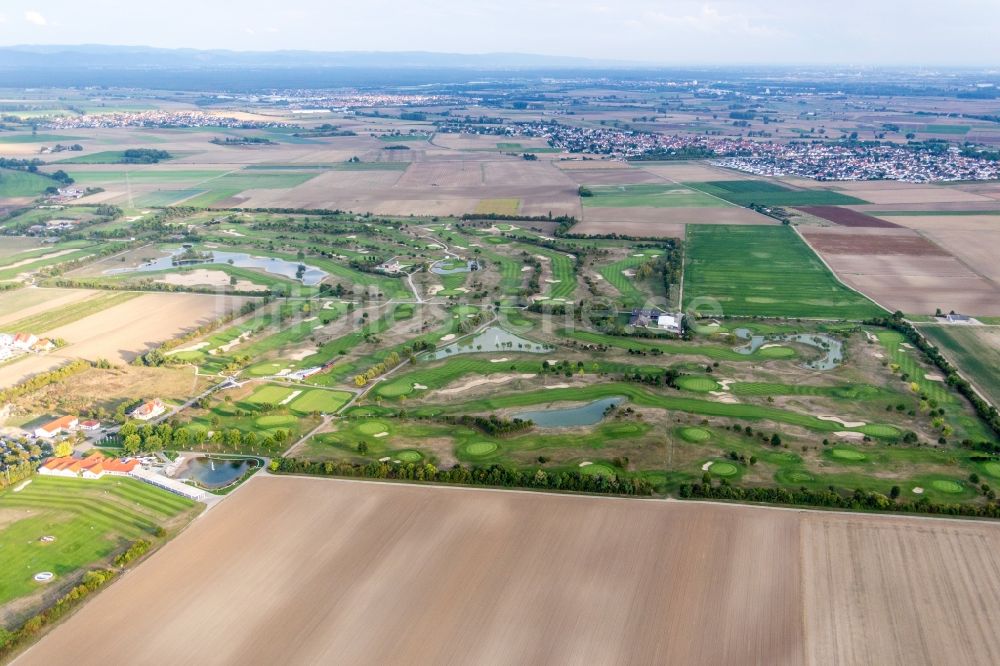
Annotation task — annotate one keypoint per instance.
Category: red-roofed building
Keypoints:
(63, 424)
(93, 466)
(148, 410)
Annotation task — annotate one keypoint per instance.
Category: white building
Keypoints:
(670, 322)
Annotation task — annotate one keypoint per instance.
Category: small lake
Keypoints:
(273, 265)
(567, 417)
(493, 339)
(214, 473)
(440, 267)
(833, 349)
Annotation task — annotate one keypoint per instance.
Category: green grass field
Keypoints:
(975, 351)
(769, 271)
(947, 129)
(652, 195)
(320, 400)
(103, 157)
(765, 193)
(15, 183)
(91, 520)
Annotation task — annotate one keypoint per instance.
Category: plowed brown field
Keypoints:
(298, 570)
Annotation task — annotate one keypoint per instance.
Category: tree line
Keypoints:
(495, 475)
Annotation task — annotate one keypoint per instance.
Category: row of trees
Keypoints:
(985, 411)
(859, 500)
(493, 475)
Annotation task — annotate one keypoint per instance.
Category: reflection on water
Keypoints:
(289, 269)
(492, 339)
(833, 348)
(213, 473)
(566, 417)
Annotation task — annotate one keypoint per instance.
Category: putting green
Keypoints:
(372, 427)
(698, 384)
(880, 430)
(479, 449)
(946, 486)
(798, 477)
(847, 454)
(408, 456)
(275, 421)
(992, 468)
(319, 400)
(695, 434)
(598, 469)
(396, 388)
(721, 468)
(776, 352)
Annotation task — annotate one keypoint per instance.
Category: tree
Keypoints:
(775, 440)
(132, 444)
(63, 448)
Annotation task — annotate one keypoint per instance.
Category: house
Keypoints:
(954, 318)
(62, 425)
(43, 345)
(89, 424)
(25, 341)
(390, 266)
(93, 466)
(641, 317)
(670, 322)
(148, 410)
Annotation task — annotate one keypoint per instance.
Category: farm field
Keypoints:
(123, 330)
(768, 193)
(653, 195)
(795, 609)
(747, 270)
(903, 270)
(16, 184)
(975, 351)
(90, 520)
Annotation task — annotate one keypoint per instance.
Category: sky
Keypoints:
(850, 32)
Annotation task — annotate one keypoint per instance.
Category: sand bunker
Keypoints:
(499, 360)
(195, 347)
(302, 354)
(932, 377)
(446, 338)
(419, 387)
(585, 463)
(837, 419)
(918, 490)
(848, 434)
(724, 396)
(557, 386)
(291, 396)
(203, 277)
(525, 268)
(480, 381)
(548, 281)
(229, 345)
(381, 434)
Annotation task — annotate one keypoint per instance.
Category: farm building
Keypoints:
(670, 322)
(62, 425)
(148, 410)
(93, 466)
(390, 266)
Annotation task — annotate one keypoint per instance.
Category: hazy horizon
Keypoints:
(733, 32)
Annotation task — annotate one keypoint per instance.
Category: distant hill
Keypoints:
(91, 56)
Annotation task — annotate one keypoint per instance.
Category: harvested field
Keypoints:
(612, 176)
(845, 217)
(22, 303)
(121, 332)
(514, 577)
(693, 172)
(609, 578)
(661, 222)
(844, 241)
(903, 270)
(896, 591)
(972, 239)
(905, 193)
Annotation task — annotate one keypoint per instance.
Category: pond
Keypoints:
(833, 349)
(492, 339)
(214, 473)
(289, 269)
(567, 417)
(452, 266)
